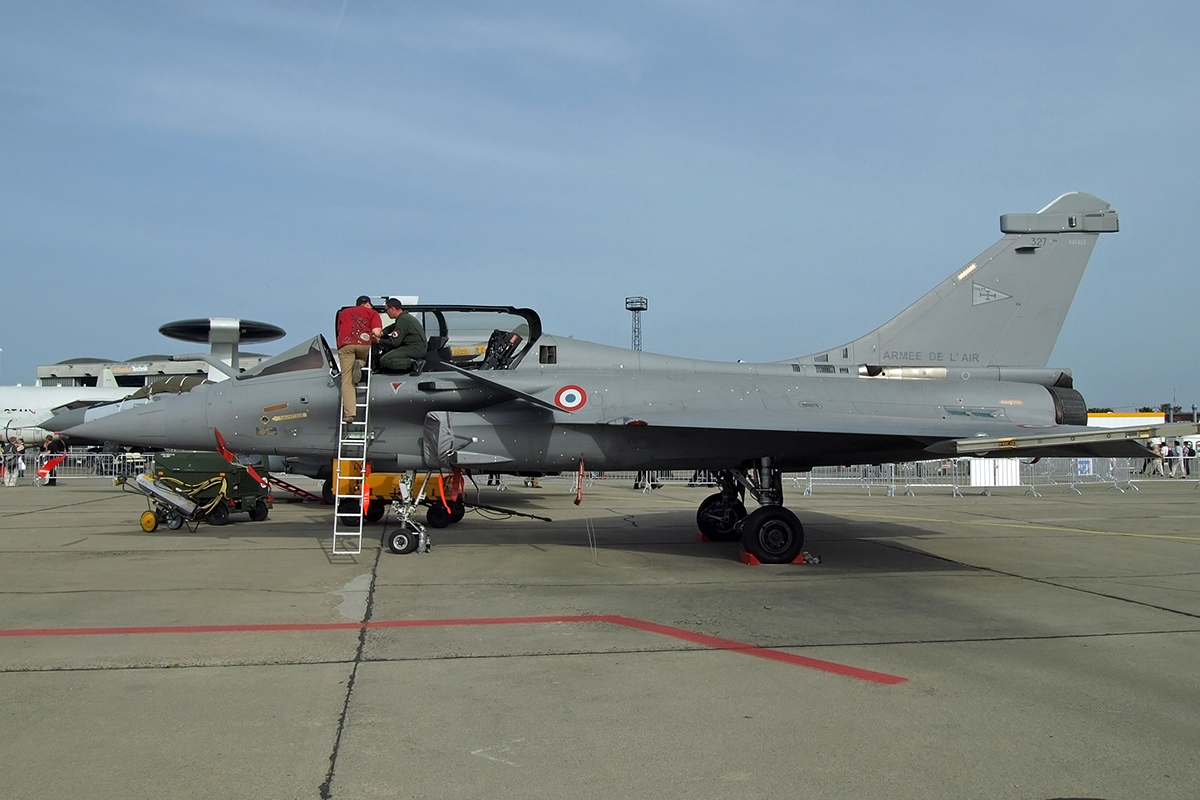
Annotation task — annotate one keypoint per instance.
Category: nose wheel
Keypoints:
(404, 540)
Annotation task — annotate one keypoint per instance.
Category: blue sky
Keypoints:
(776, 178)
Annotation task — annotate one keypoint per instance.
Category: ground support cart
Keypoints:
(194, 487)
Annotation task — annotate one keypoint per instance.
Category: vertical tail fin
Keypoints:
(1004, 308)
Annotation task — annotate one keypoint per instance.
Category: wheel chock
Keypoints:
(804, 558)
(700, 537)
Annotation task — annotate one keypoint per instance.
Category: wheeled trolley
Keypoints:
(188, 488)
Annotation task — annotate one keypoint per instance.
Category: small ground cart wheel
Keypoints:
(149, 521)
(260, 510)
(174, 521)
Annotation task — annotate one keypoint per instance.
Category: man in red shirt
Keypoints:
(358, 328)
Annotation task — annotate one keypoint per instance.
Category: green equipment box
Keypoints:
(184, 470)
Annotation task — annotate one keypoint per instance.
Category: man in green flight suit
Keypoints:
(403, 342)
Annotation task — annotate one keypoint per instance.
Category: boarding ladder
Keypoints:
(351, 470)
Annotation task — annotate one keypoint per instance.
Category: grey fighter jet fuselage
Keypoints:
(677, 413)
(966, 361)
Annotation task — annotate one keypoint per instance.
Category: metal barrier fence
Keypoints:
(80, 465)
(910, 478)
(957, 475)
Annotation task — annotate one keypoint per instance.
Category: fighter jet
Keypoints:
(964, 369)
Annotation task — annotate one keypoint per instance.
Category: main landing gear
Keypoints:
(772, 534)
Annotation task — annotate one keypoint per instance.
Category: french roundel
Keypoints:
(570, 398)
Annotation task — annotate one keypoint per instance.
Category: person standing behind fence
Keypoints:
(51, 449)
(358, 328)
(21, 450)
(11, 462)
(1156, 460)
(1178, 468)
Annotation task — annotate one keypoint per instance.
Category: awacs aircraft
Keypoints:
(24, 409)
(961, 370)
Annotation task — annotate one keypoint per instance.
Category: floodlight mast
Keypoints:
(636, 305)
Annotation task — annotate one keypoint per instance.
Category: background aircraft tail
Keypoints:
(1004, 308)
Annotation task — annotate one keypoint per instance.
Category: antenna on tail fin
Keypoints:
(1005, 308)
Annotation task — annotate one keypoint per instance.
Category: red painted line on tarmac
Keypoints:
(702, 639)
(761, 652)
(445, 623)
(158, 629)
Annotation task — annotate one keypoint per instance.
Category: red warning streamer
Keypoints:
(228, 456)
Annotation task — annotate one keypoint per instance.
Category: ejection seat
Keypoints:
(500, 350)
(438, 354)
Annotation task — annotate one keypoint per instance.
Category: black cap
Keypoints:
(362, 298)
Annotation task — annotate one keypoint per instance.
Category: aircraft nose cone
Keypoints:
(64, 421)
(142, 425)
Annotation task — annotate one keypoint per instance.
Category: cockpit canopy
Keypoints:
(474, 337)
(469, 330)
(313, 354)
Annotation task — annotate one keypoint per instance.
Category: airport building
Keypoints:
(134, 372)
(222, 334)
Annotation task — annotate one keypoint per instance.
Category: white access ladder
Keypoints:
(350, 495)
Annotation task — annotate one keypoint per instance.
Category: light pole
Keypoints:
(636, 305)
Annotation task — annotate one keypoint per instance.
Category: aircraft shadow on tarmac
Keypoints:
(849, 545)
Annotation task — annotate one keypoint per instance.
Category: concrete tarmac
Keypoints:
(976, 647)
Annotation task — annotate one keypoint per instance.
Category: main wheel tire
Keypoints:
(718, 519)
(773, 535)
(149, 521)
(260, 510)
(458, 510)
(375, 509)
(327, 492)
(219, 515)
(436, 515)
(402, 540)
(174, 520)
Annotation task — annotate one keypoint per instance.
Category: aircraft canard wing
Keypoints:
(516, 394)
(1101, 443)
